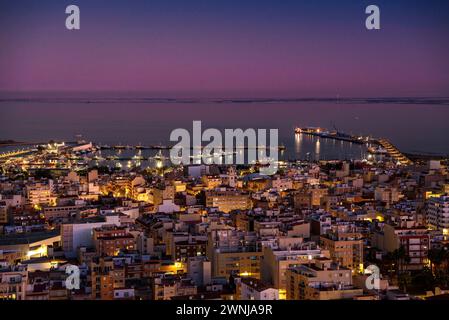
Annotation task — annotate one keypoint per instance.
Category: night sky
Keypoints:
(224, 47)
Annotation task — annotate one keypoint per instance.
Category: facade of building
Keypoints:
(323, 280)
(106, 277)
(438, 213)
(345, 246)
(40, 194)
(109, 240)
(255, 289)
(414, 239)
(276, 262)
(77, 235)
(13, 282)
(3, 213)
(227, 201)
(233, 253)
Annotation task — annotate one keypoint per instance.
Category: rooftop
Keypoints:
(27, 238)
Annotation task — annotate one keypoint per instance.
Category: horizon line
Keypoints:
(216, 100)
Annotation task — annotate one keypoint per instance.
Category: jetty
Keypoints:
(389, 148)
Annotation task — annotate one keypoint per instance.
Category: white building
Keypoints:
(15, 200)
(168, 206)
(386, 194)
(438, 213)
(199, 270)
(124, 294)
(281, 184)
(75, 235)
(254, 289)
(40, 193)
(196, 171)
(131, 212)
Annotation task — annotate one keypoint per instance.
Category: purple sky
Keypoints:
(248, 48)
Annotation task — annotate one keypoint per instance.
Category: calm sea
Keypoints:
(413, 125)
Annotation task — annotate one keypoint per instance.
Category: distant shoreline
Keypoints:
(101, 98)
(10, 143)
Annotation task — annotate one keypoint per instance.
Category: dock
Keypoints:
(391, 150)
(334, 135)
(394, 152)
(166, 147)
(13, 153)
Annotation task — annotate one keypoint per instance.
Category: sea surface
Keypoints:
(413, 125)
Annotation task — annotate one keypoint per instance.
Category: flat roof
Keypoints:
(26, 238)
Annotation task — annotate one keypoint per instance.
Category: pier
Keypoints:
(13, 153)
(335, 135)
(391, 150)
(394, 152)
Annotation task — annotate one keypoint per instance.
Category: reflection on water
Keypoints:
(309, 147)
(298, 143)
(132, 123)
(305, 148)
(317, 147)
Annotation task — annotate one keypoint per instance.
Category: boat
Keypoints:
(160, 147)
(137, 157)
(141, 147)
(159, 156)
(377, 150)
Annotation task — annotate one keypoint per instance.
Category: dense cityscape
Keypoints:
(368, 229)
(224, 159)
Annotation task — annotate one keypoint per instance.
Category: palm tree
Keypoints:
(436, 258)
(388, 264)
(404, 280)
(439, 261)
(402, 259)
(424, 280)
(442, 278)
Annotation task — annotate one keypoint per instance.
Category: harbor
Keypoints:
(379, 146)
(334, 134)
(167, 147)
(370, 148)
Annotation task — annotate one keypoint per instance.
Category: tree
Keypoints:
(388, 264)
(404, 281)
(436, 258)
(424, 280)
(402, 259)
(442, 278)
